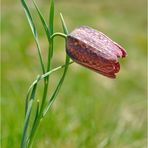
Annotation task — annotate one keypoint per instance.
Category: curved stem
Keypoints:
(49, 66)
(48, 73)
(58, 34)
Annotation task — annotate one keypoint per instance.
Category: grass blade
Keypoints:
(29, 102)
(32, 26)
(23, 143)
(63, 24)
(32, 95)
(43, 21)
(65, 30)
(35, 119)
(53, 97)
(51, 17)
(28, 15)
(51, 28)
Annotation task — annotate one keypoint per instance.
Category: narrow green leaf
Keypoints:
(37, 109)
(35, 119)
(29, 102)
(53, 97)
(28, 15)
(24, 137)
(32, 95)
(32, 26)
(51, 28)
(65, 30)
(43, 21)
(63, 24)
(51, 16)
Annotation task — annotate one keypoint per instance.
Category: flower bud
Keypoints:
(95, 51)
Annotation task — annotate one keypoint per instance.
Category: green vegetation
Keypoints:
(91, 110)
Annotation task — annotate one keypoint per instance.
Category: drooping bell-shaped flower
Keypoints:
(95, 51)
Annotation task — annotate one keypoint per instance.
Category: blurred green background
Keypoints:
(91, 111)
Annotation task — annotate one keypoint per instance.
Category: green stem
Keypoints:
(46, 82)
(46, 74)
(53, 97)
(30, 140)
(59, 34)
(48, 67)
(38, 120)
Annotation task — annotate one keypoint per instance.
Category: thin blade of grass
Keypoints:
(53, 97)
(43, 21)
(35, 119)
(28, 112)
(24, 137)
(37, 109)
(51, 16)
(32, 95)
(51, 28)
(28, 15)
(32, 26)
(65, 30)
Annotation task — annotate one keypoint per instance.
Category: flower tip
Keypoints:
(124, 53)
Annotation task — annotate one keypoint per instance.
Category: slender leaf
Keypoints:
(53, 97)
(28, 112)
(32, 95)
(32, 26)
(43, 21)
(65, 30)
(51, 28)
(51, 16)
(24, 137)
(35, 119)
(28, 15)
(63, 24)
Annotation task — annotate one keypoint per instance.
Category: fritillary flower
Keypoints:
(95, 51)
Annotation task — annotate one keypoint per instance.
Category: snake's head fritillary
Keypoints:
(95, 51)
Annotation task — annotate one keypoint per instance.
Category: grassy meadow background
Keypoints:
(91, 111)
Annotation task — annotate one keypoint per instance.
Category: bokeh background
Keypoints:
(91, 111)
